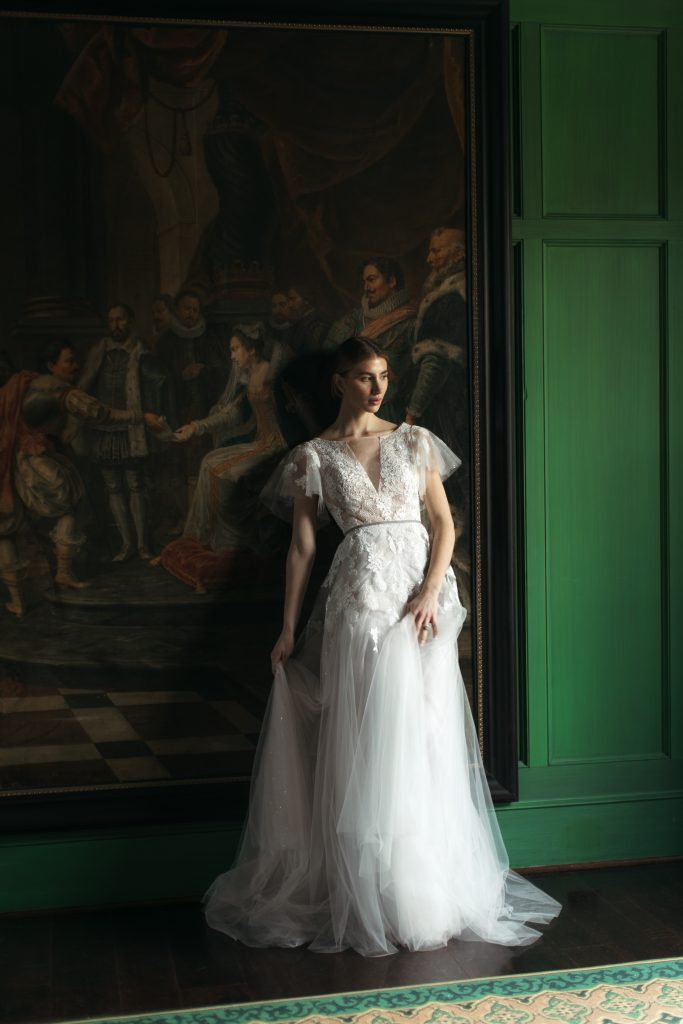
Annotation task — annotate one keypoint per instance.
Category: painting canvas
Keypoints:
(196, 216)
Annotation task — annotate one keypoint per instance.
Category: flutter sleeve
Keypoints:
(297, 476)
(431, 453)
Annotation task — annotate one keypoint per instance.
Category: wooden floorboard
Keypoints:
(80, 964)
(78, 988)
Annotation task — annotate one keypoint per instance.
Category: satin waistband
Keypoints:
(384, 522)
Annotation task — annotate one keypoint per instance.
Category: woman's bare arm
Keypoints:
(423, 607)
(299, 563)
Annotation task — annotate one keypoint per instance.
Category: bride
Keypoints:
(370, 823)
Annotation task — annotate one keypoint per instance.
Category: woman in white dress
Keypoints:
(370, 823)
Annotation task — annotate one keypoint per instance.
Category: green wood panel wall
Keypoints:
(600, 133)
(597, 94)
(603, 511)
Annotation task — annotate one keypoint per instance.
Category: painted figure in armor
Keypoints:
(121, 373)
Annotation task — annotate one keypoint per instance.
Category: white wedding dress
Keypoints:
(370, 822)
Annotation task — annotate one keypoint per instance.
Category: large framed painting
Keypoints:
(197, 210)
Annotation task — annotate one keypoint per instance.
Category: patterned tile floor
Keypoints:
(136, 680)
(62, 736)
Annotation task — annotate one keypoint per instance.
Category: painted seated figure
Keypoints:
(225, 534)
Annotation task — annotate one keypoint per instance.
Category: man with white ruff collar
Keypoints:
(387, 317)
(441, 398)
(119, 371)
(197, 366)
(194, 359)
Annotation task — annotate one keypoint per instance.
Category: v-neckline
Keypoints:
(355, 458)
(347, 447)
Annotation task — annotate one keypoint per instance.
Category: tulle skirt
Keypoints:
(370, 823)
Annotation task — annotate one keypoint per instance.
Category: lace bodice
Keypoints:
(332, 471)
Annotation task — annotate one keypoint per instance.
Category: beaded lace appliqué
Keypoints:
(375, 570)
(350, 495)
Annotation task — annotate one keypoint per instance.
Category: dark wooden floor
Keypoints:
(63, 966)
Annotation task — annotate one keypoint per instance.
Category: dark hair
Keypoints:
(128, 310)
(165, 298)
(352, 352)
(387, 266)
(187, 293)
(252, 337)
(53, 350)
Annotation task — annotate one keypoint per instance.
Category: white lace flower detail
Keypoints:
(376, 560)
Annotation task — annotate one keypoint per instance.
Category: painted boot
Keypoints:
(64, 576)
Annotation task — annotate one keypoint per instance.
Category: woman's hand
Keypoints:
(185, 433)
(423, 608)
(282, 650)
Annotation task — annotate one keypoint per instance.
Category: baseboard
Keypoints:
(604, 831)
(114, 866)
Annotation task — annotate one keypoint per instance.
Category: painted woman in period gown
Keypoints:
(221, 536)
(370, 822)
(216, 517)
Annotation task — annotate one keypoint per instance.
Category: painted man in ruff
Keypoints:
(440, 399)
(119, 372)
(387, 317)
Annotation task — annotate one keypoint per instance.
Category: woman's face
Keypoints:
(364, 386)
(240, 354)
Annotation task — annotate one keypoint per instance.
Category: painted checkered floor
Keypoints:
(66, 737)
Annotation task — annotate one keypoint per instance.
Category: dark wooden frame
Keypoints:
(496, 439)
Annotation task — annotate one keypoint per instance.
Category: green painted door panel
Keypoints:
(674, 524)
(603, 506)
(600, 102)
